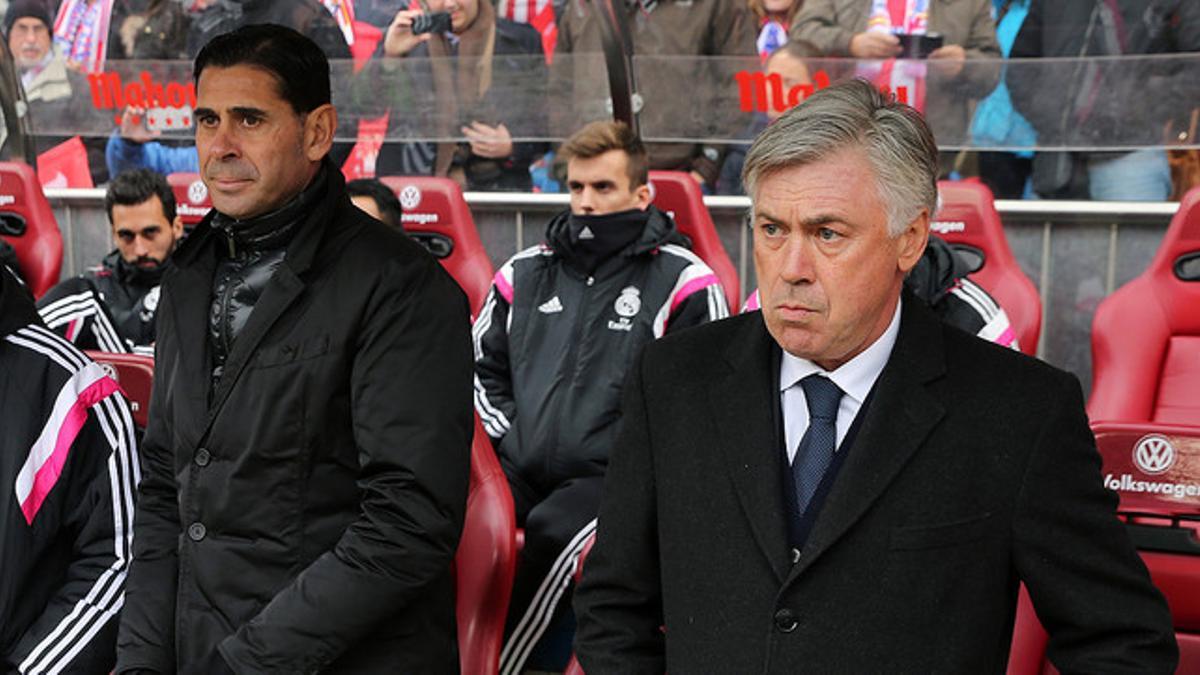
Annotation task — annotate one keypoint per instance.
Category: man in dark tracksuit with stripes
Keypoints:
(112, 307)
(68, 472)
(560, 327)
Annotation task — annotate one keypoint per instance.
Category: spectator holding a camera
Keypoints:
(947, 34)
(488, 55)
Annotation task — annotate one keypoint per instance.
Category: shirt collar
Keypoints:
(856, 376)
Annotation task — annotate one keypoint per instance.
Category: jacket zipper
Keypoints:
(225, 320)
(584, 305)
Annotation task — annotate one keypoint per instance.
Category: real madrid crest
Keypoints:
(628, 303)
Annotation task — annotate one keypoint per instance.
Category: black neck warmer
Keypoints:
(271, 230)
(593, 239)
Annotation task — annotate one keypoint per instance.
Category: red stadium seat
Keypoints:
(27, 223)
(135, 374)
(676, 193)
(436, 214)
(968, 221)
(1146, 335)
(485, 562)
(1155, 469)
(191, 197)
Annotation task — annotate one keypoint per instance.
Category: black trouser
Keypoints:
(557, 525)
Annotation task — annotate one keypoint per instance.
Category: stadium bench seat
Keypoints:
(135, 374)
(968, 221)
(1146, 335)
(436, 215)
(485, 562)
(191, 197)
(678, 194)
(27, 223)
(1143, 463)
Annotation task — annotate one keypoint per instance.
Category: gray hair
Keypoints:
(850, 114)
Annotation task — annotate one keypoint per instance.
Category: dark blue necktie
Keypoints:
(816, 447)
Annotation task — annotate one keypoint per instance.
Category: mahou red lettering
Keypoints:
(759, 92)
(110, 92)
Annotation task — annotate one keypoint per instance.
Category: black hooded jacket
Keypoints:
(553, 342)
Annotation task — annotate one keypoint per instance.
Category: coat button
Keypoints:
(785, 621)
(202, 457)
(196, 532)
(795, 555)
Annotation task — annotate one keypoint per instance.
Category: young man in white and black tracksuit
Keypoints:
(68, 471)
(560, 327)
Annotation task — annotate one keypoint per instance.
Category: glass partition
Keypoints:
(1091, 104)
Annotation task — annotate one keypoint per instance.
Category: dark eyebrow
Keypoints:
(247, 111)
(198, 112)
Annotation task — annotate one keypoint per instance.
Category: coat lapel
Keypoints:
(189, 286)
(900, 417)
(281, 291)
(745, 404)
(284, 288)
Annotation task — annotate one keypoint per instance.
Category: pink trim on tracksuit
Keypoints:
(74, 419)
(691, 287)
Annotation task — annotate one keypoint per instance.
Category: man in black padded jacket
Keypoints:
(307, 456)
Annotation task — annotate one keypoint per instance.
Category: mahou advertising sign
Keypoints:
(171, 101)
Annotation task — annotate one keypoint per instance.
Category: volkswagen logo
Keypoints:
(197, 192)
(410, 197)
(1154, 454)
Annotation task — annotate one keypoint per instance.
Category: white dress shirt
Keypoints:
(855, 378)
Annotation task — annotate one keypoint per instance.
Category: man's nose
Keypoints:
(222, 143)
(797, 260)
(587, 200)
(141, 247)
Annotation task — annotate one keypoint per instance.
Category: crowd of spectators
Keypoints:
(56, 42)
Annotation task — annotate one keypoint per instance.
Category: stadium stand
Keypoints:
(485, 562)
(677, 194)
(968, 221)
(1146, 335)
(27, 223)
(436, 215)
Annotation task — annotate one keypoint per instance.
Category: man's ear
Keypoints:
(910, 245)
(320, 124)
(642, 192)
(177, 226)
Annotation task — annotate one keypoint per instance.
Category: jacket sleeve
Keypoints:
(979, 79)
(1089, 587)
(619, 602)
(411, 408)
(697, 298)
(121, 155)
(146, 640)
(76, 632)
(817, 24)
(493, 377)
(74, 311)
